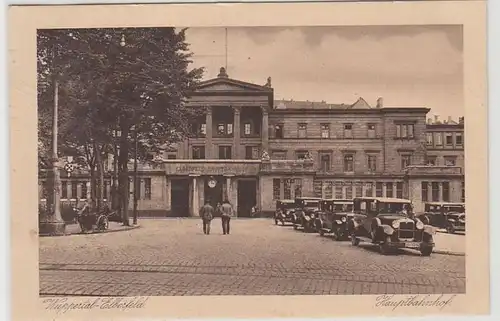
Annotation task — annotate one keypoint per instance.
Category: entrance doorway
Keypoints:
(247, 197)
(179, 197)
(213, 192)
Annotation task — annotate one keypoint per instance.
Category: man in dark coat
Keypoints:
(227, 212)
(206, 214)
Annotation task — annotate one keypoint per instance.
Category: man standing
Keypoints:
(206, 214)
(226, 213)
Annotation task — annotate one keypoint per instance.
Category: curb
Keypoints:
(128, 228)
(448, 252)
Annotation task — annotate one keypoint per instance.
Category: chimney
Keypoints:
(429, 121)
(449, 119)
(461, 120)
(436, 119)
(380, 102)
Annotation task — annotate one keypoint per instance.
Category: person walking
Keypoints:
(227, 212)
(207, 214)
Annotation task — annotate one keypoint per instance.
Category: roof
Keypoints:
(301, 104)
(385, 199)
(338, 201)
(309, 198)
(286, 201)
(445, 203)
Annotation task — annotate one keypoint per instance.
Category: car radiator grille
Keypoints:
(406, 230)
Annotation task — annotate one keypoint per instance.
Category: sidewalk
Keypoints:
(452, 244)
(72, 229)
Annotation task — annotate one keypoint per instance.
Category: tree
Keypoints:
(119, 78)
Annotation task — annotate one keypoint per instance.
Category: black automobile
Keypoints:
(390, 224)
(284, 211)
(306, 210)
(332, 218)
(445, 215)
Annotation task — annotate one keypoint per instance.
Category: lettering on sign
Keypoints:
(215, 169)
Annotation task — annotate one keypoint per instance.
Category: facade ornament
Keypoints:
(265, 156)
(309, 156)
(268, 83)
(222, 73)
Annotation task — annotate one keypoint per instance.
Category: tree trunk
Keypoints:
(92, 187)
(124, 186)
(115, 199)
(100, 176)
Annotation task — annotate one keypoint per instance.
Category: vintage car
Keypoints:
(306, 210)
(389, 223)
(284, 211)
(332, 218)
(449, 216)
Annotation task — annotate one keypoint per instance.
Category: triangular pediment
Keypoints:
(230, 85)
(360, 104)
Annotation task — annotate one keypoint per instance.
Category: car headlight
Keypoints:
(395, 224)
(388, 230)
(420, 225)
(344, 219)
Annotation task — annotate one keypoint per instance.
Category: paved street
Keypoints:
(174, 257)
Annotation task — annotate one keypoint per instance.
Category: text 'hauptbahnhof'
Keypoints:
(254, 150)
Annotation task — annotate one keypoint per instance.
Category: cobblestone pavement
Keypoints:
(173, 257)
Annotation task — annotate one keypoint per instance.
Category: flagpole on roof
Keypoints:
(226, 47)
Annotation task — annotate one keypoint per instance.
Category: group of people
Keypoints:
(207, 212)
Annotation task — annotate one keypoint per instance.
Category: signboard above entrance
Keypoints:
(212, 168)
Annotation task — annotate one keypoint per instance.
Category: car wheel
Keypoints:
(384, 247)
(282, 223)
(295, 226)
(275, 222)
(425, 250)
(321, 232)
(354, 240)
(450, 229)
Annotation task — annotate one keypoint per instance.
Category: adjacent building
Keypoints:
(253, 150)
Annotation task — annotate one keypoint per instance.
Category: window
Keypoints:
(137, 187)
(389, 190)
(278, 131)
(425, 191)
(446, 191)
(221, 129)
(449, 139)
(276, 189)
(287, 189)
(349, 163)
(369, 190)
(405, 131)
(338, 192)
(328, 190)
(302, 130)
(74, 190)
(325, 131)
(224, 129)
(435, 191)
(431, 160)
(379, 189)
(251, 152)
(84, 190)
(438, 138)
(147, 189)
(371, 131)
(224, 152)
(325, 162)
(372, 163)
(301, 154)
(171, 156)
(199, 129)
(359, 191)
(247, 128)
(298, 187)
(463, 192)
(459, 139)
(405, 161)
(229, 129)
(347, 130)
(64, 190)
(198, 152)
(450, 161)
(203, 129)
(399, 189)
(278, 154)
(348, 192)
(429, 139)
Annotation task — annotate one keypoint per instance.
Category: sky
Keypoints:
(409, 66)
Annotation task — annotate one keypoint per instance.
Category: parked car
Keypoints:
(306, 209)
(450, 216)
(284, 211)
(389, 223)
(332, 218)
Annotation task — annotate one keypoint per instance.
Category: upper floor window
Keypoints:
(302, 130)
(372, 163)
(251, 152)
(371, 131)
(199, 129)
(325, 131)
(301, 154)
(347, 130)
(171, 156)
(326, 162)
(450, 161)
(438, 139)
(405, 131)
(278, 131)
(459, 139)
(349, 163)
(405, 161)
(278, 154)
(198, 152)
(449, 139)
(431, 160)
(225, 152)
(247, 129)
(429, 139)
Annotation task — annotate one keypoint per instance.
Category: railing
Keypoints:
(432, 170)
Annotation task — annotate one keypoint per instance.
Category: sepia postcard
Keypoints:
(249, 160)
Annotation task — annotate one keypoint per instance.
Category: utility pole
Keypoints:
(136, 187)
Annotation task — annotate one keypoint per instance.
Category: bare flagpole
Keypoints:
(226, 49)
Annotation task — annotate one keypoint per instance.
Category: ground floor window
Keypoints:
(446, 191)
(348, 192)
(84, 190)
(276, 189)
(287, 189)
(147, 188)
(463, 192)
(64, 190)
(298, 187)
(359, 191)
(379, 189)
(389, 190)
(338, 191)
(74, 190)
(425, 191)
(435, 191)
(328, 190)
(399, 189)
(369, 190)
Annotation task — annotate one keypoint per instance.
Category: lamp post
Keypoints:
(115, 201)
(136, 187)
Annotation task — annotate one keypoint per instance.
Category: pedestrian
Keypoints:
(206, 214)
(226, 213)
(217, 209)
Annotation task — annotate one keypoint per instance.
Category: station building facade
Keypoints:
(253, 150)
